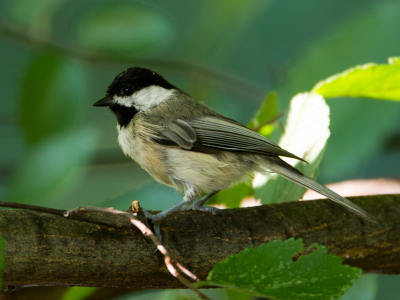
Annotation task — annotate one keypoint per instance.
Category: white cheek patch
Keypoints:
(125, 101)
(151, 96)
(146, 97)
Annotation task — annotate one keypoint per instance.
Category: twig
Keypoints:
(146, 232)
(270, 121)
(37, 208)
(186, 271)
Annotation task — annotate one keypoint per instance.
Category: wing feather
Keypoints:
(230, 135)
(212, 134)
(181, 133)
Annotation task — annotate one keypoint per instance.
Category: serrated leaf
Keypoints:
(306, 134)
(123, 28)
(50, 167)
(269, 271)
(368, 80)
(51, 96)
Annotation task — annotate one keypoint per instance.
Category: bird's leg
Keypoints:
(198, 205)
(190, 195)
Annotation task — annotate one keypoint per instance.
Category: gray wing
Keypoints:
(180, 133)
(213, 135)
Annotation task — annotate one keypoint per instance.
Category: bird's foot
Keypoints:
(209, 209)
(155, 221)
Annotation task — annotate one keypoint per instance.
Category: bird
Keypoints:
(190, 147)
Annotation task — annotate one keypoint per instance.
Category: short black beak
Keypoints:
(104, 102)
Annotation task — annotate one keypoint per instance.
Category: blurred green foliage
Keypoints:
(103, 29)
(35, 17)
(58, 58)
(48, 105)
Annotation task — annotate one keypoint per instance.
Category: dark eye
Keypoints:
(127, 91)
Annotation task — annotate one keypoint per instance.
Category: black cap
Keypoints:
(136, 78)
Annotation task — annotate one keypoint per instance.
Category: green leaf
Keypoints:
(306, 134)
(52, 93)
(78, 293)
(394, 60)
(236, 295)
(269, 271)
(369, 80)
(50, 167)
(123, 28)
(267, 111)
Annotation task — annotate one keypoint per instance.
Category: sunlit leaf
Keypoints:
(369, 80)
(50, 167)
(52, 92)
(269, 271)
(123, 28)
(306, 134)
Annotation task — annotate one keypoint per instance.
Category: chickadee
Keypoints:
(190, 147)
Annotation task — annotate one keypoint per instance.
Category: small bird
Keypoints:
(186, 145)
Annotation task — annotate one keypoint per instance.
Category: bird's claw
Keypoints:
(209, 209)
(155, 222)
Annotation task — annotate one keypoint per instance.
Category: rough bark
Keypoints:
(48, 250)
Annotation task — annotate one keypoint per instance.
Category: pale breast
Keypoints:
(206, 172)
(145, 152)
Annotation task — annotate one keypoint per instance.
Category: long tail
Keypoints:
(282, 168)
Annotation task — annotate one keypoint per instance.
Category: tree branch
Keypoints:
(169, 261)
(50, 250)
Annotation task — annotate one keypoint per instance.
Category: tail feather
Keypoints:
(285, 170)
